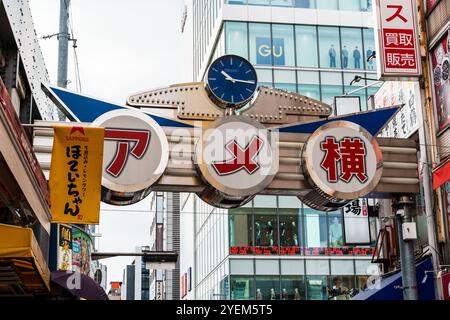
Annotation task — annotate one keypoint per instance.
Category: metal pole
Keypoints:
(407, 260)
(63, 42)
(427, 156)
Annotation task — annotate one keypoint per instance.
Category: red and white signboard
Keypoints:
(135, 151)
(237, 156)
(342, 160)
(397, 39)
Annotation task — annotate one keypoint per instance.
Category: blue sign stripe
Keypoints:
(88, 109)
(372, 121)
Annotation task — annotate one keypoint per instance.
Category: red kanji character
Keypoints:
(397, 13)
(242, 158)
(329, 162)
(353, 151)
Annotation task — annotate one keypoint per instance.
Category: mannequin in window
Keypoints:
(332, 56)
(357, 58)
(370, 62)
(267, 235)
(296, 294)
(273, 295)
(257, 233)
(336, 233)
(344, 57)
(284, 294)
(259, 294)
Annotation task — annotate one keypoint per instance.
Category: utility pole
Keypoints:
(63, 42)
(427, 137)
(403, 207)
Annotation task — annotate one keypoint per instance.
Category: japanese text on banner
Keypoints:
(75, 174)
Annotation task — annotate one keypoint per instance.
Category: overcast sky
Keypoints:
(123, 47)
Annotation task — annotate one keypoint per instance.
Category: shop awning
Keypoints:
(79, 285)
(389, 288)
(23, 269)
(441, 173)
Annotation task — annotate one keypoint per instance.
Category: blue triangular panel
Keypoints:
(372, 121)
(87, 109)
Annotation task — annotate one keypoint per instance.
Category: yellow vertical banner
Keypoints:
(76, 174)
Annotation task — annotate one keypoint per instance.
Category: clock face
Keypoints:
(232, 80)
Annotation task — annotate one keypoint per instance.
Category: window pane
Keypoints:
(241, 266)
(264, 77)
(353, 5)
(292, 267)
(336, 230)
(283, 3)
(306, 42)
(267, 288)
(289, 202)
(293, 288)
(265, 202)
(342, 267)
(305, 4)
(327, 4)
(341, 286)
(366, 5)
(369, 46)
(259, 2)
(331, 86)
(308, 84)
(267, 267)
(316, 287)
(236, 1)
(283, 45)
(236, 39)
(241, 227)
(285, 79)
(329, 47)
(290, 228)
(316, 234)
(266, 228)
(260, 44)
(242, 288)
(351, 48)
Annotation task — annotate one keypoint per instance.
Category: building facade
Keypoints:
(24, 194)
(165, 236)
(275, 247)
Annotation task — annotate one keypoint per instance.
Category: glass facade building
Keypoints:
(316, 61)
(275, 247)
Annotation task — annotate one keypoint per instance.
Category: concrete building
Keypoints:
(165, 236)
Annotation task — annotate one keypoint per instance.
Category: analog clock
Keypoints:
(231, 81)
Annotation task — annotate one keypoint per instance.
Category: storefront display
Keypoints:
(441, 69)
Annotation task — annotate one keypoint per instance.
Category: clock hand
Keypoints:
(245, 81)
(227, 76)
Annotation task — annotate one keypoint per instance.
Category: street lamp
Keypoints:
(358, 79)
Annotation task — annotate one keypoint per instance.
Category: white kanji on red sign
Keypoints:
(397, 33)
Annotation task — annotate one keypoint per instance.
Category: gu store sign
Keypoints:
(397, 39)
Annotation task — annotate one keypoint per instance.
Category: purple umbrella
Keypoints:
(79, 285)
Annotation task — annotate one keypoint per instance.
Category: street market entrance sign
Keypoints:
(283, 143)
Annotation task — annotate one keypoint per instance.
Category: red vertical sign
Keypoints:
(398, 46)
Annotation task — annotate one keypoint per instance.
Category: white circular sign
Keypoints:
(236, 156)
(135, 152)
(343, 160)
